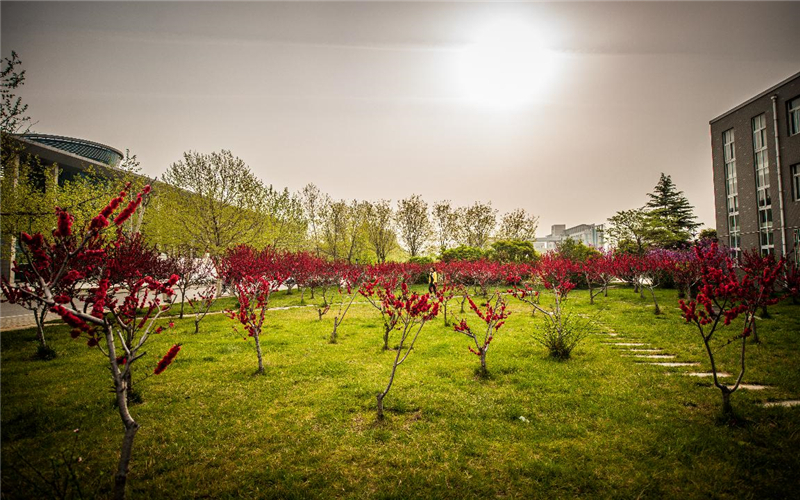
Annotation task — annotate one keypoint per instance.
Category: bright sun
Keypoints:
(506, 68)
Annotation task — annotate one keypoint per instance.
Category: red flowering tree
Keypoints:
(303, 268)
(789, 281)
(349, 277)
(752, 263)
(36, 278)
(192, 271)
(653, 268)
(685, 272)
(254, 276)
(118, 325)
(559, 333)
(374, 288)
(412, 312)
(626, 267)
(725, 295)
(481, 275)
(205, 279)
(494, 317)
(598, 272)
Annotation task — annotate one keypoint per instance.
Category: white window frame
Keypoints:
(731, 189)
(763, 199)
(795, 169)
(793, 115)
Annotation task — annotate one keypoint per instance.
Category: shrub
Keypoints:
(560, 335)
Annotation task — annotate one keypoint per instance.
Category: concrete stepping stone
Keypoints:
(625, 343)
(673, 363)
(793, 402)
(753, 387)
(655, 349)
(653, 356)
(708, 374)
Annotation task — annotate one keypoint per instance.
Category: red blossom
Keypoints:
(164, 362)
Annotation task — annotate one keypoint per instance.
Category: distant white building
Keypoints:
(588, 234)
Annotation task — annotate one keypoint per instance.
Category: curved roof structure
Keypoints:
(94, 151)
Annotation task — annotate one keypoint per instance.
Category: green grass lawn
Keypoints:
(600, 425)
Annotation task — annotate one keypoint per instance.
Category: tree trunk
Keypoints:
(756, 340)
(196, 326)
(484, 371)
(386, 331)
(332, 340)
(658, 309)
(380, 405)
(727, 409)
(40, 313)
(131, 426)
(391, 379)
(258, 352)
(591, 295)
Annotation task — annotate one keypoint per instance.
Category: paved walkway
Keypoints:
(645, 353)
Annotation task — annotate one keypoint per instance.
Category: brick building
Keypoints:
(756, 159)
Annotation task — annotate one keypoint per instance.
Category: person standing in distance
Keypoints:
(433, 277)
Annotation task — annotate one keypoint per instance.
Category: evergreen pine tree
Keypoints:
(669, 209)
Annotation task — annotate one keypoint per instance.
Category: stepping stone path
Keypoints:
(657, 353)
(753, 387)
(676, 363)
(771, 404)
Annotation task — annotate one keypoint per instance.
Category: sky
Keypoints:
(569, 110)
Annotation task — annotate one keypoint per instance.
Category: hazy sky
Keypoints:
(378, 100)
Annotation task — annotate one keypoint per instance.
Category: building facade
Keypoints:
(59, 159)
(588, 234)
(756, 162)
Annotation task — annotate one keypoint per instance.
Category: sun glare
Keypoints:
(507, 67)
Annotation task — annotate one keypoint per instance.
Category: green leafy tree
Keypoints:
(342, 236)
(445, 225)
(575, 250)
(518, 225)
(413, 224)
(215, 201)
(285, 223)
(629, 230)
(380, 232)
(463, 252)
(513, 251)
(314, 203)
(477, 223)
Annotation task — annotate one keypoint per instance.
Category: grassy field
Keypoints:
(601, 425)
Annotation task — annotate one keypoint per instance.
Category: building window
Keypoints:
(796, 248)
(761, 161)
(796, 181)
(793, 117)
(731, 189)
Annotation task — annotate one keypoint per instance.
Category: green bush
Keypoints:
(463, 252)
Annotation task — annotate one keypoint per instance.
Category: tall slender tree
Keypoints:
(413, 223)
(477, 224)
(380, 233)
(669, 209)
